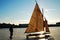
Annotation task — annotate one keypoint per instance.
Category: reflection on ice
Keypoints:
(19, 34)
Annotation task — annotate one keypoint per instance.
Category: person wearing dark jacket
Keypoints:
(11, 32)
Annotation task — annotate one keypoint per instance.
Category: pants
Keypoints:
(11, 34)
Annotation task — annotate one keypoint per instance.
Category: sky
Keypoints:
(20, 11)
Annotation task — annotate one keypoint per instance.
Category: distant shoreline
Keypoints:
(24, 25)
(54, 25)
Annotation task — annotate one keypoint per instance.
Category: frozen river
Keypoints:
(19, 34)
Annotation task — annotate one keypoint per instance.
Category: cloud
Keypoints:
(48, 10)
(53, 21)
(13, 21)
(23, 21)
(16, 22)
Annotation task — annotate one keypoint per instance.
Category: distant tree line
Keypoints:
(4, 25)
(53, 25)
(58, 23)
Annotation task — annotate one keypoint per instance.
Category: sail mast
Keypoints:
(36, 18)
(45, 22)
